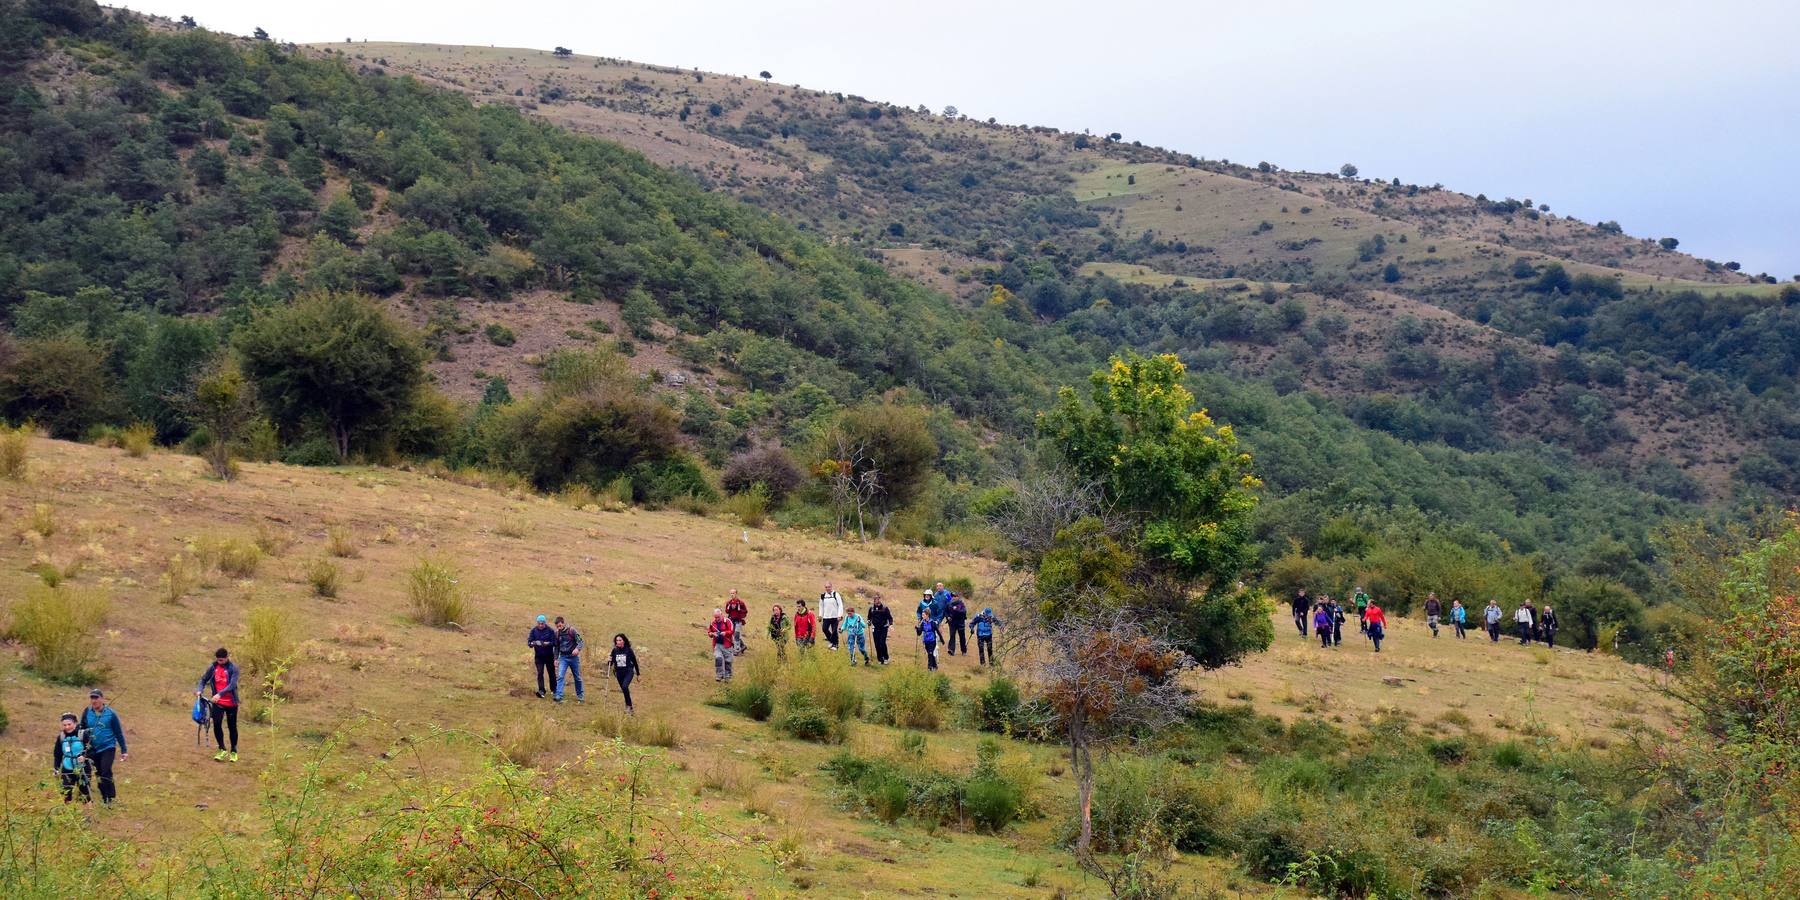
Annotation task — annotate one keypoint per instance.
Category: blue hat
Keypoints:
(542, 620)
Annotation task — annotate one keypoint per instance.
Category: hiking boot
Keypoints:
(220, 756)
(540, 695)
(234, 756)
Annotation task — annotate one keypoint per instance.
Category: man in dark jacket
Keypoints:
(880, 620)
(568, 656)
(542, 641)
(958, 617)
(106, 738)
(221, 678)
(1434, 610)
(1300, 606)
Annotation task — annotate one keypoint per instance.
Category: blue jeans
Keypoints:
(854, 644)
(568, 664)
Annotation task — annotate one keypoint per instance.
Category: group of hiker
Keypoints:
(941, 618)
(556, 651)
(1326, 618)
(87, 746)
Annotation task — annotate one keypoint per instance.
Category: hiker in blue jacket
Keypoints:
(984, 635)
(855, 627)
(928, 635)
(106, 739)
(69, 760)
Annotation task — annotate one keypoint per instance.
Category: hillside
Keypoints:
(960, 205)
(363, 664)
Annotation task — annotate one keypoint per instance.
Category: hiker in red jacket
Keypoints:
(721, 633)
(737, 612)
(1376, 621)
(806, 626)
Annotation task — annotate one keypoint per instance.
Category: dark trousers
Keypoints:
(221, 716)
(1337, 633)
(1494, 632)
(545, 669)
(1300, 621)
(624, 676)
(1549, 637)
(931, 655)
(829, 626)
(1524, 634)
(959, 634)
(1459, 629)
(881, 651)
(984, 645)
(1324, 637)
(1377, 631)
(103, 763)
(73, 780)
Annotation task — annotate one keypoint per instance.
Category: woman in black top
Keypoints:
(624, 665)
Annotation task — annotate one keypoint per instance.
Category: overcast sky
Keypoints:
(1676, 118)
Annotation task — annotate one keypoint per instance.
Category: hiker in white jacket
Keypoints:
(831, 611)
(1526, 618)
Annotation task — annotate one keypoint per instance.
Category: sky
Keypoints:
(1675, 118)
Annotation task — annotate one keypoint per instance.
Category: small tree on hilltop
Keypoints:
(563, 52)
(1347, 170)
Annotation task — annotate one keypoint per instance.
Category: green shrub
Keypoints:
(911, 697)
(1448, 750)
(750, 508)
(823, 681)
(752, 693)
(60, 627)
(437, 594)
(959, 584)
(314, 451)
(499, 335)
(997, 706)
(993, 803)
(234, 556)
(806, 721)
(1510, 755)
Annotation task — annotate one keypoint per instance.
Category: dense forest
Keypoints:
(182, 205)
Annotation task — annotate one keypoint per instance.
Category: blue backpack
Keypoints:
(72, 748)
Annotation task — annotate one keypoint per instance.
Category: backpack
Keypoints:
(73, 746)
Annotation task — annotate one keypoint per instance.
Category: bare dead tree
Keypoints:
(852, 481)
(1044, 502)
(1106, 676)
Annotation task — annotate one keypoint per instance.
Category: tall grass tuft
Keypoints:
(528, 741)
(60, 626)
(178, 578)
(620, 491)
(750, 508)
(269, 639)
(15, 453)
(271, 540)
(820, 698)
(234, 556)
(137, 440)
(42, 520)
(324, 577)
(340, 541)
(437, 594)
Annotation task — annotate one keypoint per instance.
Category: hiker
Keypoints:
(1300, 604)
(778, 631)
(69, 760)
(1434, 610)
(222, 677)
(1460, 618)
(984, 636)
(737, 612)
(542, 641)
(105, 739)
(1337, 621)
(806, 627)
(624, 665)
(925, 604)
(1492, 617)
(720, 632)
(1362, 611)
(939, 608)
(568, 657)
(1547, 626)
(855, 627)
(1376, 622)
(880, 620)
(928, 635)
(1524, 618)
(831, 610)
(1322, 625)
(958, 615)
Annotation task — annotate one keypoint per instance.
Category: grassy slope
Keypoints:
(362, 655)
